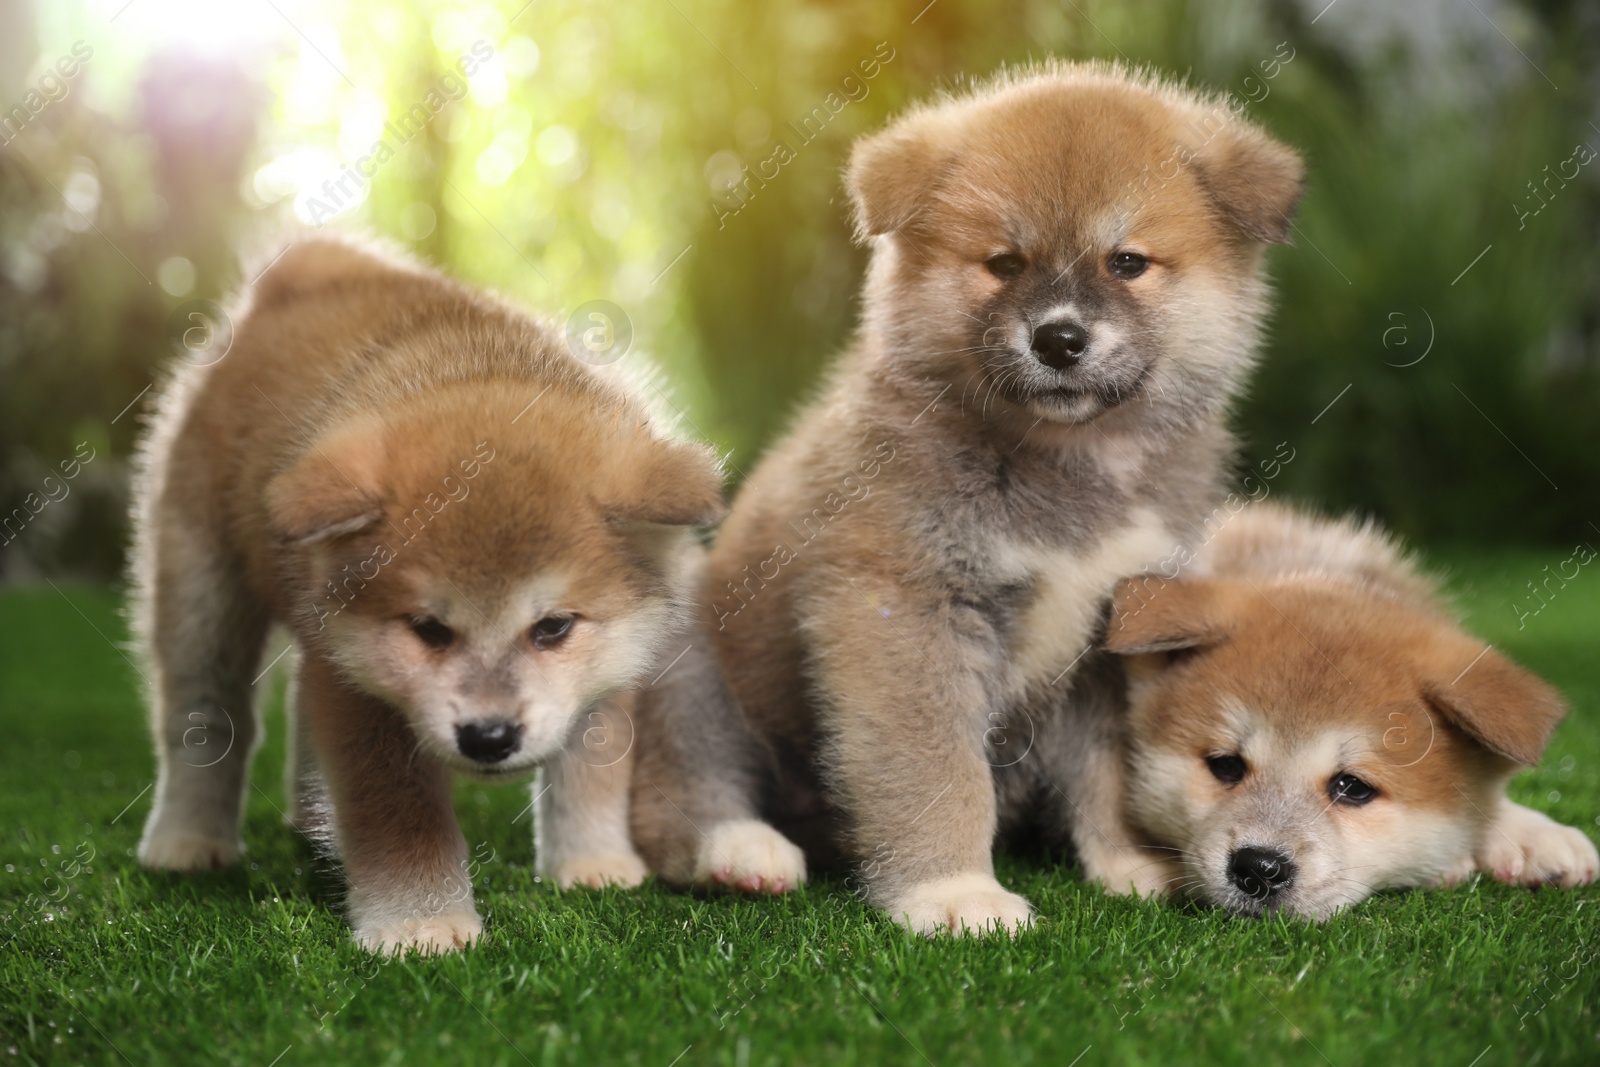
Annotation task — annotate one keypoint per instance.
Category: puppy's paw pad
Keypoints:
(433, 936)
(1527, 847)
(183, 850)
(749, 856)
(967, 905)
(624, 869)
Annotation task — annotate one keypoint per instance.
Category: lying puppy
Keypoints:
(1065, 292)
(1309, 726)
(475, 539)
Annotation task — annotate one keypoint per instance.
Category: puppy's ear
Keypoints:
(1255, 180)
(673, 483)
(892, 171)
(332, 490)
(1151, 614)
(1497, 703)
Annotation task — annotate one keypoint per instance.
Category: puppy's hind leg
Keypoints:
(202, 633)
(696, 785)
(581, 822)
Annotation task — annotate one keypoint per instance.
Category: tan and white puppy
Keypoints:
(1309, 726)
(1065, 293)
(478, 542)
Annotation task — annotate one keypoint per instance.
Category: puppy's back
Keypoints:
(1276, 543)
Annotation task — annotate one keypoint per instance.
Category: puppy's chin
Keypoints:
(1291, 907)
(510, 771)
(1080, 398)
(1068, 406)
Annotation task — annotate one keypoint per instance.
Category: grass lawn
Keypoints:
(102, 962)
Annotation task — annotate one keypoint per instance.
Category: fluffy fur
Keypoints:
(908, 581)
(1309, 650)
(478, 542)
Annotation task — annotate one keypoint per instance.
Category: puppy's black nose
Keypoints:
(1058, 344)
(1260, 872)
(488, 740)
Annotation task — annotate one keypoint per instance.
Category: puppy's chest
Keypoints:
(1066, 590)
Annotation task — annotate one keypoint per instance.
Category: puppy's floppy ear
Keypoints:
(892, 171)
(671, 483)
(1153, 614)
(1255, 180)
(333, 489)
(1494, 701)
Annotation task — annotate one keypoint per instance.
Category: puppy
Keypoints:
(478, 542)
(1065, 291)
(1308, 726)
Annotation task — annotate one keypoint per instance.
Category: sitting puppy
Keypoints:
(1065, 292)
(478, 541)
(1308, 726)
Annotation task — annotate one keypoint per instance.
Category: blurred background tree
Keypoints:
(1434, 360)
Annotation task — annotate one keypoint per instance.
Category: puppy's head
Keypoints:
(1305, 743)
(493, 567)
(1073, 239)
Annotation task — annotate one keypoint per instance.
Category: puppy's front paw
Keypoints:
(166, 848)
(623, 869)
(1132, 870)
(964, 904)
(435, 935)
(1457, 873)
(749, 855)
(1527, 847)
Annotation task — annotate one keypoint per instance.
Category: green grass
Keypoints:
(107, 963)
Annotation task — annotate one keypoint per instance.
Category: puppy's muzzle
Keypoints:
(1259, 872)
(488, 740)
(1059, 345)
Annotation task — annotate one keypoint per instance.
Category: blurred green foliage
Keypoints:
(597, 153)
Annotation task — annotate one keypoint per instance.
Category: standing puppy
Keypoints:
(1065, 292)
(475, 539)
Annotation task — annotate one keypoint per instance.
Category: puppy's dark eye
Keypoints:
(550, 631)
(1348, 789)
(431, 632)
(1229, 770)
(1126, 265)
(1006, 265)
